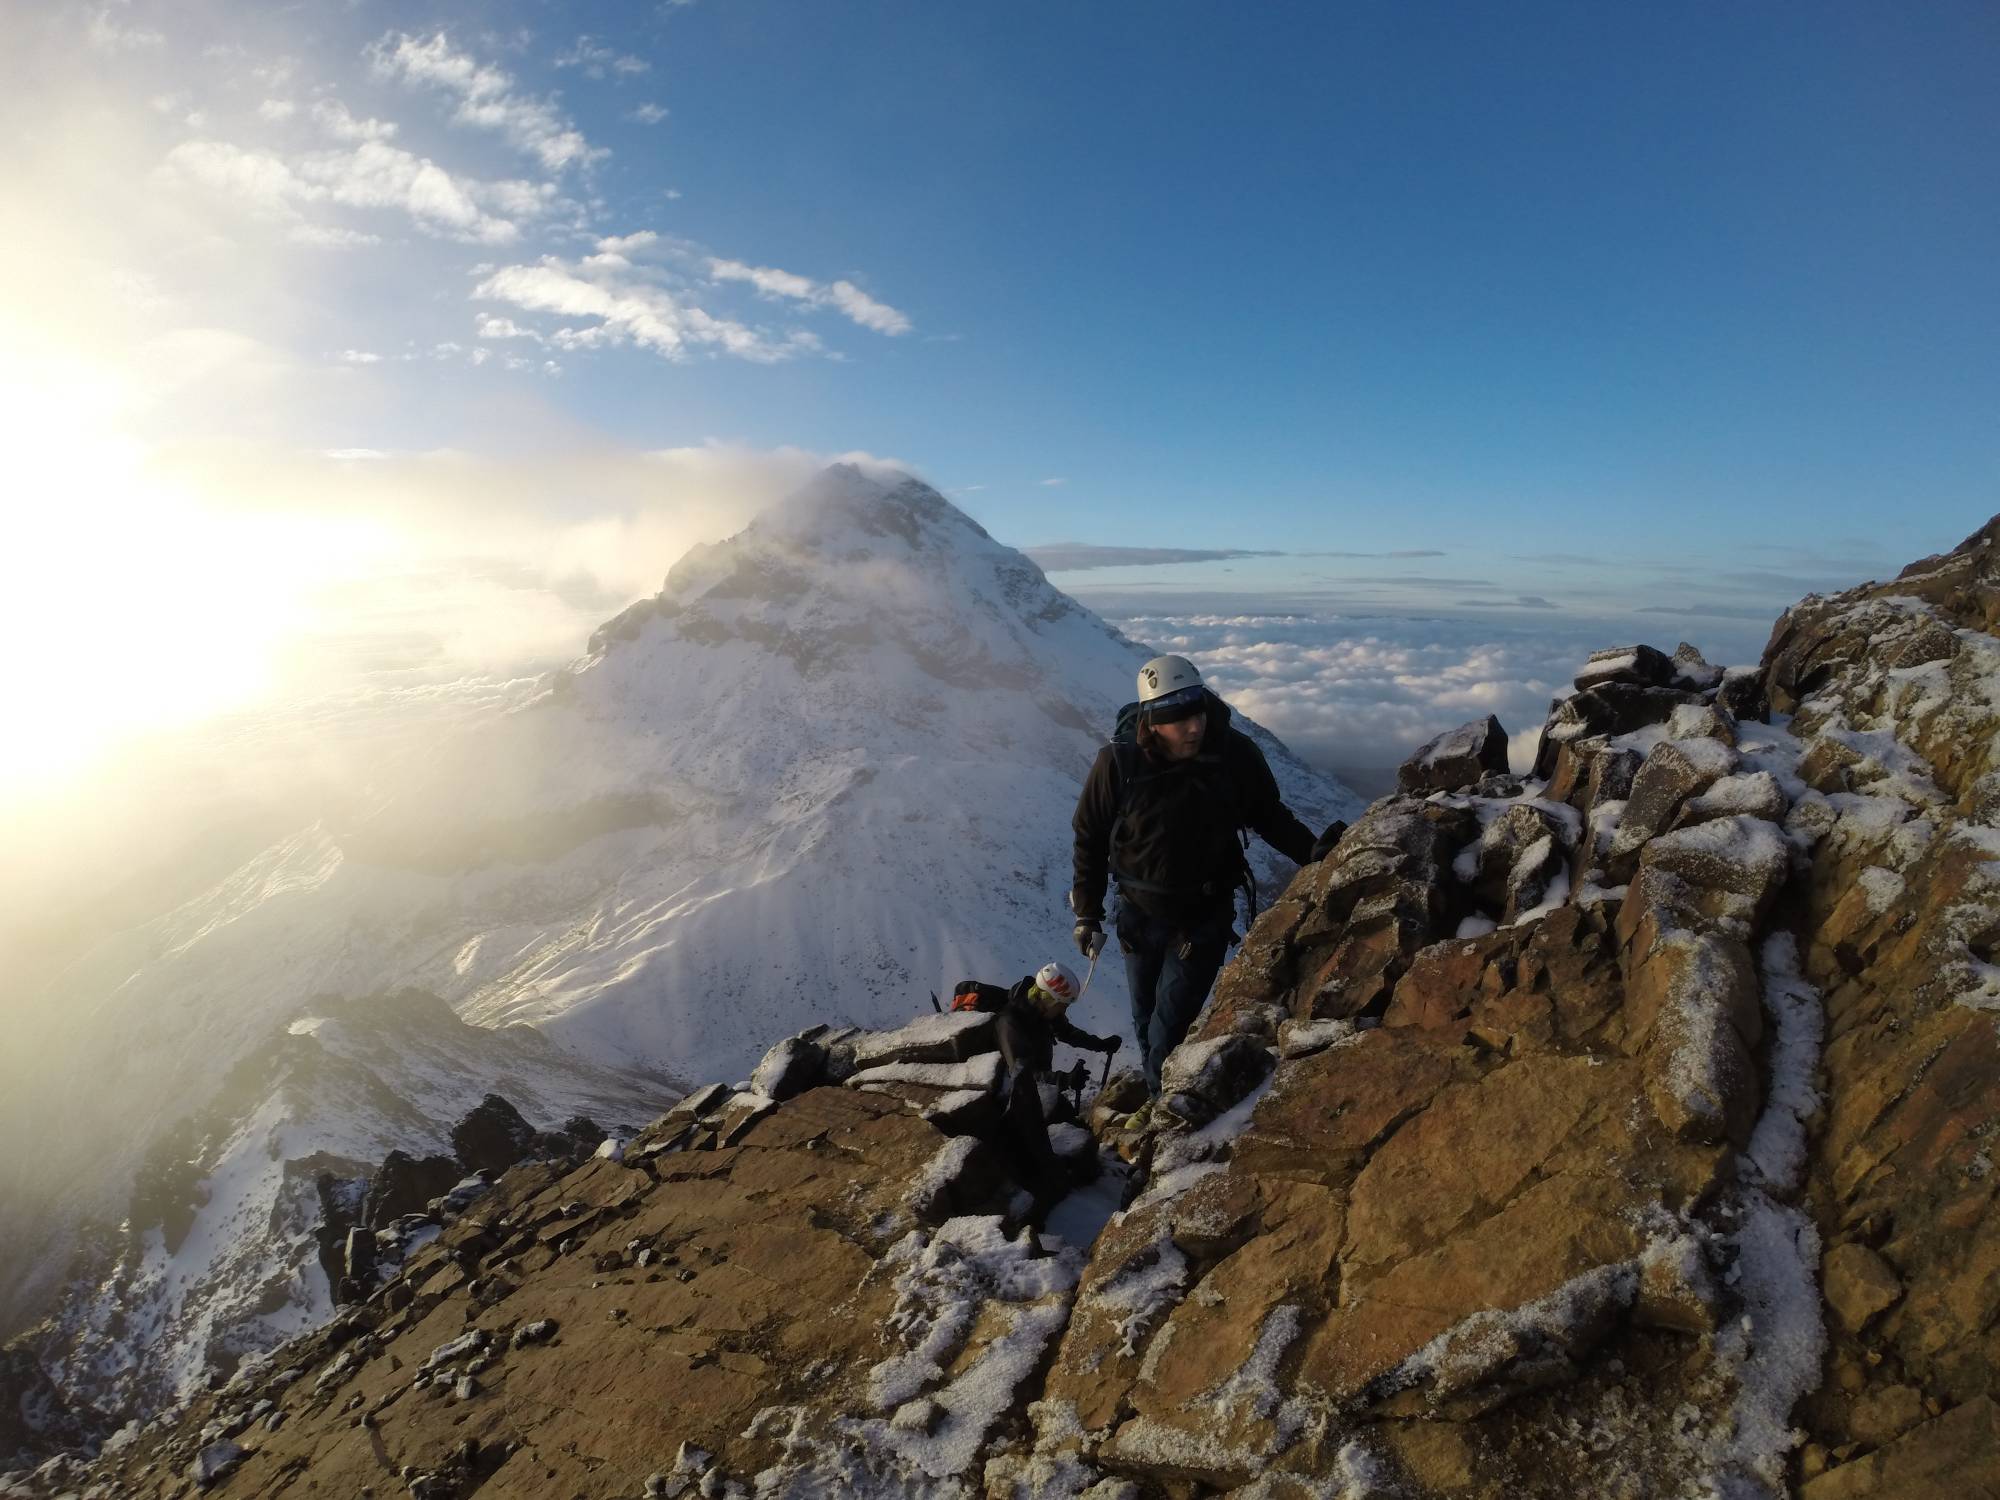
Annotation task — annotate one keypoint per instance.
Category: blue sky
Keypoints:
(1587, 320)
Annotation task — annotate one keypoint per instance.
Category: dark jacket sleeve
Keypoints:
(1264, 809)
(1076, 1036)
(1096, 811)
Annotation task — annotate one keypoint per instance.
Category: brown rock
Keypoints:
(1642, 666)
(1442, 982)
(1559, 1229)
(1698, 971)
(1457, 758)
(1673, 772)
(1732, 868)
(1327, 1111)
(1886, 1414)
(1952, 1455)
(1468, 1153)
(1443, 1457)
(1703, 721)
(1858, 1284)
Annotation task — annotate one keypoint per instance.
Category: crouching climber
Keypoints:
(1032, 1018)
(1163, 812)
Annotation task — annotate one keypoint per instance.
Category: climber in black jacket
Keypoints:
(1162, 813)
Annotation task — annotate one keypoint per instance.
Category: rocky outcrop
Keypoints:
(1457, 758)
(1620, 1131)
(832, 1295)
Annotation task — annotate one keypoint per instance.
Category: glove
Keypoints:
(1113, 1043)
(1323, 846)
(1089, 938)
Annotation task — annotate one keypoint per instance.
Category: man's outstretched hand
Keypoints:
(1324, 845)
(1089, 938)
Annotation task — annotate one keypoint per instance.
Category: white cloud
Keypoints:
(596, 60)
(377, 175)
(625, 244)
(625, 310)
(646, 114)
(260, 180)
(372, 175)
(865, 310)
(490, 327)
(486, 98)
(1055, 483)
(331, 237)
(276, 110)
(358, 357)
(337, 121)
(844, 296)
(107, 34)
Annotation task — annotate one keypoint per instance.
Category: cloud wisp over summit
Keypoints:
(1077, 557)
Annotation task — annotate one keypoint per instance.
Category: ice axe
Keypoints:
(1084, 988)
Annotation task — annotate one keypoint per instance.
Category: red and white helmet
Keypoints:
(1056, 981)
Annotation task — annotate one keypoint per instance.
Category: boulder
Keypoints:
(1742, 693)
(1611, 776)
(1614, 708)
(1755, 795)
(1456, 759)
(1123, 1092)
(1702, 721)
(1202, 1079)
(492, 1136)
(1384, 893)
(1858, 1284)
(1674, 771)
(404, 1184)
(947, 1038)
(1693, 672)
(1732, 868)
(791, 1067)
(1516, 858)
(1637, 666)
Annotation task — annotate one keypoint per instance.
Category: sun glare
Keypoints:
(131, 605)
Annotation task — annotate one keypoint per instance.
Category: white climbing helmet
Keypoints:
(1170, 687)
(1164, 676)
(1056, 981)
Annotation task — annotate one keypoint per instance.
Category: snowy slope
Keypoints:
(191, 1293)
(828, 769)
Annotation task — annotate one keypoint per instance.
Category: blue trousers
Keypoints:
(1168, 968)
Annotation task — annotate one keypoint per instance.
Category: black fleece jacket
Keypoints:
(1245, 795)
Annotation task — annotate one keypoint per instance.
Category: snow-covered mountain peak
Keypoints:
(855, 559)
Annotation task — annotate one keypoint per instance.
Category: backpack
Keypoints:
(972, 995)
(1183, 818)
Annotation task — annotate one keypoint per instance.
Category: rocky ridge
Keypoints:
(1621, 1130)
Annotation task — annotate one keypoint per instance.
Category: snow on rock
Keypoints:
(934, 1185)
(981, 1073)
(969, 1275)
(1778, 1146)
(225, 1262)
